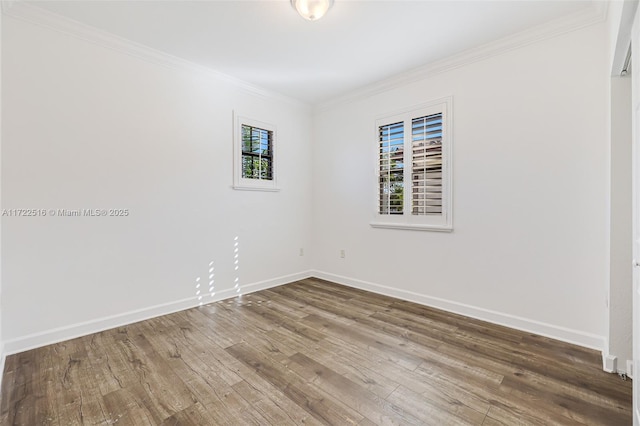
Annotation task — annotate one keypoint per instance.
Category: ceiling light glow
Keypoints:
(312, 10)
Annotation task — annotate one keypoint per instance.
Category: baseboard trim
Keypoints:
(94, 326)
(3, 357)
(609, 363)
(568, 335)
(629, 369)
(61, 334)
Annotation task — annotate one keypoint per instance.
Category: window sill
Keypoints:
(412, 227)
(255, 188)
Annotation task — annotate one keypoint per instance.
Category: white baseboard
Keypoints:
(629, 368)
(81, 329)
(576, 337)
(3, 357)
(60, 334)
(609, 363)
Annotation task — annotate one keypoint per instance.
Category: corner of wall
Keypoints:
(3, 8)
(609, 362)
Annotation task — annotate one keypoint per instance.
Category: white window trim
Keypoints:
(407, 221)
(245, 184)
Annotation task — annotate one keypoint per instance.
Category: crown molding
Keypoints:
(592, 15)
(32, 14)
(24, 11)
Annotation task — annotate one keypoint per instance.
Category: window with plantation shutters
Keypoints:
(426, 165)
(414, 168)
(391, 164)
(254, 155)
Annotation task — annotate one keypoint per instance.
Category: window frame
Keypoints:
(252, 184)
(408, 220)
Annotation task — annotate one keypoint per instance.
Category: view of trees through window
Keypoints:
(425, 158)
(391, 137)
(257, 153)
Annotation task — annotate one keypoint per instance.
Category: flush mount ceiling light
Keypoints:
(312, 10)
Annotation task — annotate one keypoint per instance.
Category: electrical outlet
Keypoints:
(342, 253)
(301, 251)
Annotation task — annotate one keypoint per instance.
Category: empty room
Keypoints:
(324, 212)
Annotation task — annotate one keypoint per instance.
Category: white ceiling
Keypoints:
(357, 43)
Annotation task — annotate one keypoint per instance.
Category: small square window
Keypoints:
(254, 155)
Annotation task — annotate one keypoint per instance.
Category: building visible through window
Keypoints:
(426, 168)
(414, 168)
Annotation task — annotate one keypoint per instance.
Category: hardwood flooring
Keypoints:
(312, 352)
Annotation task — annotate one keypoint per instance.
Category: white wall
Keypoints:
(619, 321)
(529, 247)
(91, 127)
(2, 356)
(621, 273)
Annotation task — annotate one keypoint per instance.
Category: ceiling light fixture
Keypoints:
(312, 10)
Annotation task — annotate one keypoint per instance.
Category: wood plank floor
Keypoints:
(311, 352)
